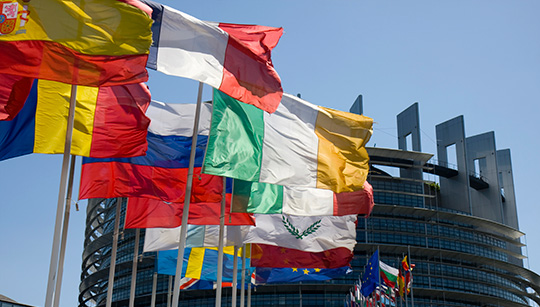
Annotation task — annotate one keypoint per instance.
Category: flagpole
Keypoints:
(134, 268)
(249, 295)
(169, 291)
(53, 266)
(410, 272)
(187, 197)
(235, 276)
(379, 275)
(220, 243)
(64, 233)
(154, 286)
(243, 286)
(112, 265)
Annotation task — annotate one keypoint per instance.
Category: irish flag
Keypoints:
(388, 274)
(301, 144)
(230, 57)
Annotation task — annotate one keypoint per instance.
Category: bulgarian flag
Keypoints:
(388, 274)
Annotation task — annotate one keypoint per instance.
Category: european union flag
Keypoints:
(265, 275)
(370, 280)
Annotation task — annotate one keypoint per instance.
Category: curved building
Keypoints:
(455, 218)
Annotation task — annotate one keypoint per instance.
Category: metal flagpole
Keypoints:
(53, 267)
(220, 243)
(249, 295)
(379, 274)
(235, 276)
(112, 265)
(134, 268)
(169, 292)
(410, 272)
(243, 286)
(154, 286)
(187, 197)
(64, 233)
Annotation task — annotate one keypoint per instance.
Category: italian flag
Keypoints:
(388, 274)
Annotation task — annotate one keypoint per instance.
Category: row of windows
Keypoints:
(403, 226)
(398, 199)
(398, 186)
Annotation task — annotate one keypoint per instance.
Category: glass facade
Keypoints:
(460, 259)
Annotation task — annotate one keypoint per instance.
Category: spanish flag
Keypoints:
(82, 42)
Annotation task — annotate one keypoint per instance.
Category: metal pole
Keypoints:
(379, 275)
(64, 233)
(53, 266)
(169, 291)
(134, 268)
(112, 266)
(154, 286)
(410, 272)
(220, 244)
(185, 214)
(235, 276)
(243, 286)
(249, 295)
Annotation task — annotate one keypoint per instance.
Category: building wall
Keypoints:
(461, 235)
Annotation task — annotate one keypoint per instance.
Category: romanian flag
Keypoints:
(83, 42)
(301, 144)
(109, 121)
(230, 57)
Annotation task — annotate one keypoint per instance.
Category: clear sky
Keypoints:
(479, 59)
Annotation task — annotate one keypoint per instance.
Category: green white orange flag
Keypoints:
(300, 144)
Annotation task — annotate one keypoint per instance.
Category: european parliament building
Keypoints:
(457, 222)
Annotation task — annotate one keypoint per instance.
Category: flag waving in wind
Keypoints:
(109, 121)
(85, 42)
(299, 145)
(232, 58)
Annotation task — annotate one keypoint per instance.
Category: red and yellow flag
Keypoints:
(83, 42)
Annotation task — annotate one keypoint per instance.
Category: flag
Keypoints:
(201, 263)
(265, 198)
(401, 284)
(152, 213)
(389, 274)
(292, 275)
(408, 274)
(299, 145)
(108, 122)
(86, 42)
(305, 233)
(370, 279)
(158, 239)
(232, 58)
(162, 173)
(187, 283)
(263, 255)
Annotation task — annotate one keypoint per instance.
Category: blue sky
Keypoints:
(479, 59)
